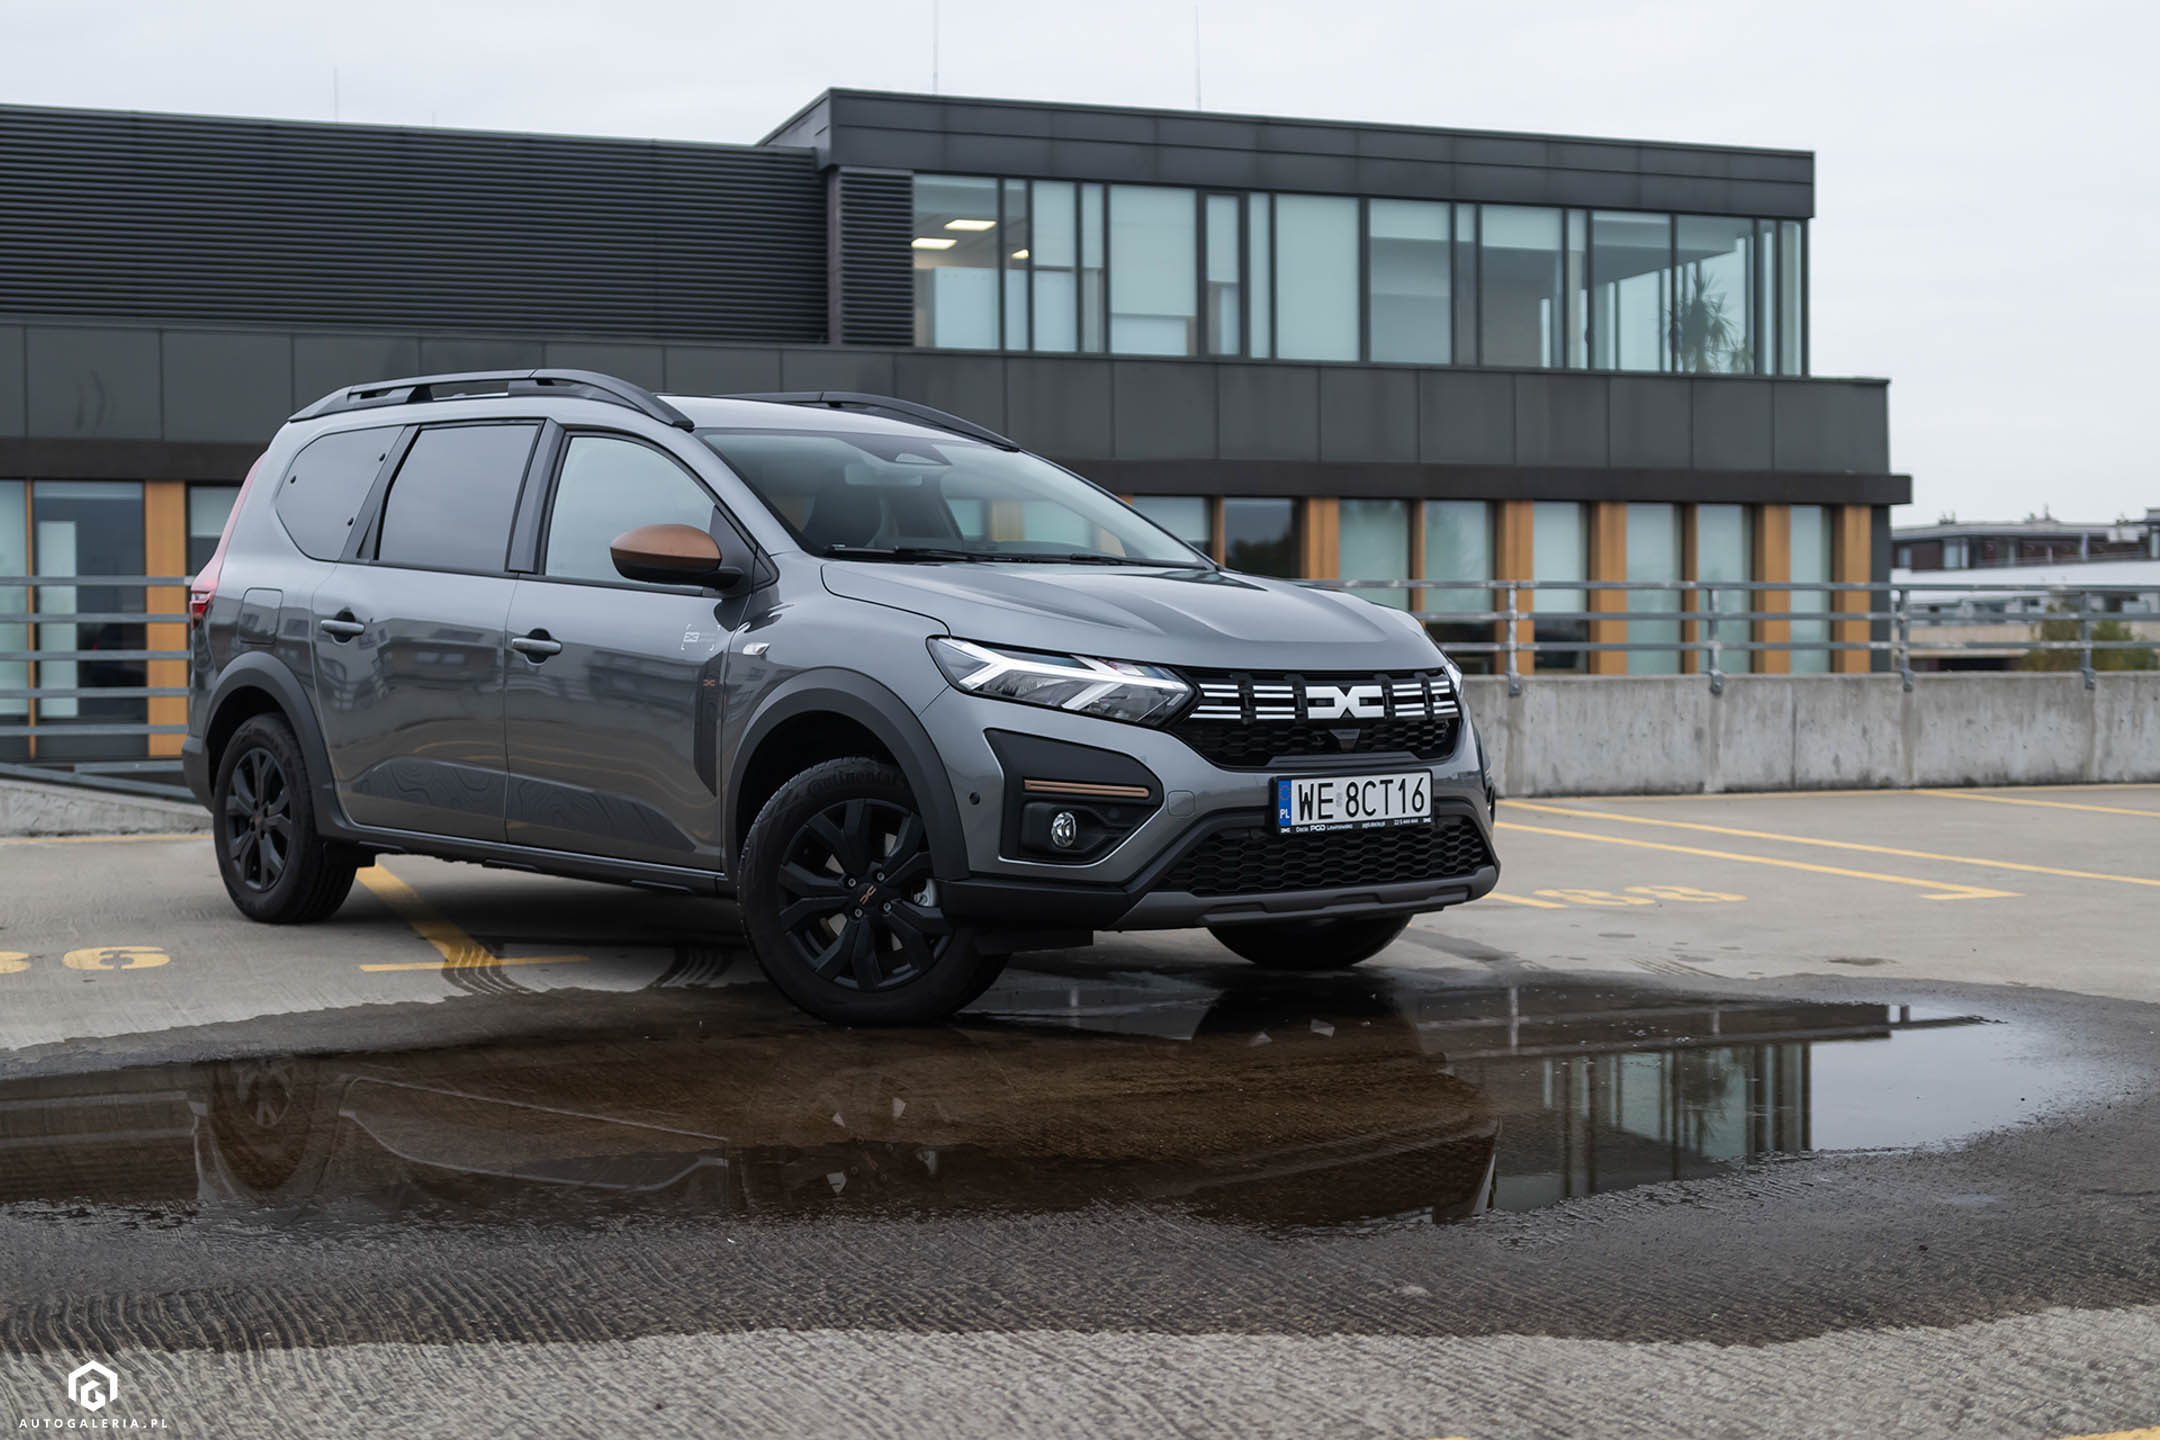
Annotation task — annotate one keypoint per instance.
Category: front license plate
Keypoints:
(1353, 802)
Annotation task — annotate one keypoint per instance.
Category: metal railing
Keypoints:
(45, 732)
(1703, 611)
(51, 725)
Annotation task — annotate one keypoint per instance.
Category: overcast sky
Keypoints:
(1988, 182)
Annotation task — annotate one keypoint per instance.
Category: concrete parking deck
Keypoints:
(1798, 1114)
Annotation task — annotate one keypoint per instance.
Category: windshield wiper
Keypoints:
(1098, 557)
(901, 552)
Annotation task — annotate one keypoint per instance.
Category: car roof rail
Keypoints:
(886, 405)
(420, 389)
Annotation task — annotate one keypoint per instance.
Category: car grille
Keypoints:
(1254, 859)
(1246, 721)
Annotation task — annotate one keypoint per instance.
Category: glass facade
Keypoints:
(1810, 565)
(1375, 540)
(1724, 551)
(1260, 536)
(88, 528)
(1653, 553)
(1459, 547)
(1316, 294)
(1060, 266)
(1153, 304)
(1409, 293)
(208, 507)
(1185, 516)
(14, 600)
(1519, 295)
(1559, 551)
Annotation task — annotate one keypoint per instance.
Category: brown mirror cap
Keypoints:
(681, 552)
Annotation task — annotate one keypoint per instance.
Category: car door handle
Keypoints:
(343, 628)
(536, 646)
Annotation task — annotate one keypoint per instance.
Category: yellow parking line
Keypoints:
(99, 839)
(459, 951)
(2017, 865)
(1950, 890)
(2050, 804)
(1524, 900)
(2150, 1432)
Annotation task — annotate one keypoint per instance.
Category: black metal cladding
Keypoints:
(874, 216)
(192, 219)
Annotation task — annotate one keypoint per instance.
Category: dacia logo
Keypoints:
(1330, 702)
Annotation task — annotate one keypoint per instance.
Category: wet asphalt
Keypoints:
(1674, 1144)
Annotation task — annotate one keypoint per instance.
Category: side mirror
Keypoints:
(672, 555)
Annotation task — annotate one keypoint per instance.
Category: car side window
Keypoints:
(455, 494)
(328, 484)
(608, 486)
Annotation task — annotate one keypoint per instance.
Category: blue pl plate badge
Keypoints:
(1282, 803)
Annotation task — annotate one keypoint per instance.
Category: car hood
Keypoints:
(1202, 618)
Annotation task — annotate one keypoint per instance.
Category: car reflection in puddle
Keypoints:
(1286, 1101)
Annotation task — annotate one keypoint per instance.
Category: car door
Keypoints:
(614, 690)
(409, 638)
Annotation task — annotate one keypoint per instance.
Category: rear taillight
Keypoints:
(203, 588)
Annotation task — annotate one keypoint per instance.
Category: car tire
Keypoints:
(276, 865)
(1318, 944)
(841, 907)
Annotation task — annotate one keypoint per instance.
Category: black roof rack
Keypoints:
(419, 389)
(885, 405)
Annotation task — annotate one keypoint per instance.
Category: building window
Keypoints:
(14, 635)
(1724, 553)
(1012, 245)
(956, 262)
(208, 508)
(1713, 280)
(1653, 553)
(1630, 284)
(1792, 298)
(1411, 306)
(1810, 565)
(1316, 289)
(1260, 536)
(1094, 294)
(1153, 309)
(1374, 539)
(1577, 280)
(1559, 553)
(1459, 548)
(1225, 275)
(88, 528)
(1050, 254)
(1185, 516)
(1519, 294)
(1259, 251)
(1466, 284)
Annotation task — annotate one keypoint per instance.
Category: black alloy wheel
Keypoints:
(277, 866)
(842, 905)
(858, 899)
(258, 821)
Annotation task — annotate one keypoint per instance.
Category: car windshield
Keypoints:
(920, 497)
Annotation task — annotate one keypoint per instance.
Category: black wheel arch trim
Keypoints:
(259, 671)
(886, 716)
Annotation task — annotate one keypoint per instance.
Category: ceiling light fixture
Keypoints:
(971, 224)
(1019, 254)
(933, 242)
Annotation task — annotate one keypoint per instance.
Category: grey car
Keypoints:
(915, 698)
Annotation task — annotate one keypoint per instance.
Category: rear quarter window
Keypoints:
(320, 497)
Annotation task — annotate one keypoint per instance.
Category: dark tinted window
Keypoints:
(322, 493)
(450, 506)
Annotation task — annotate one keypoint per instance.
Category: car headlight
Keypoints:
(1454, 672)
(1111, 689)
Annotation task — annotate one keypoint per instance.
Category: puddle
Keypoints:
(1272, 1100)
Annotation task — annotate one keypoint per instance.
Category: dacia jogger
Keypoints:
(915, 698)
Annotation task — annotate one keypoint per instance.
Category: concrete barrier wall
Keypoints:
(1667, 734)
